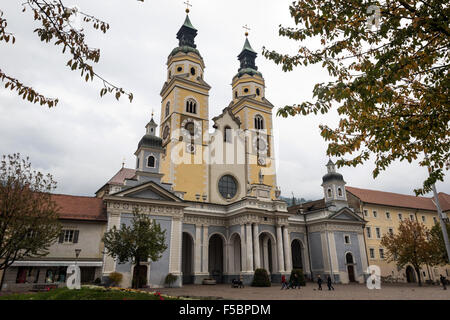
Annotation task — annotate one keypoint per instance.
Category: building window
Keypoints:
(191, 106)
(388, 215)
(400, 217)
(227, 187)
(372, 253)
(193, 71)
(378, 232)
(366, 213)
(434, 220)
(227, 134)
(369, 232)
(258, 92)
(339, 192)
(137, 163)
(423, 218)
(69, 236)
(381, 253)
(151, 162)
(246, 90)
(167, 108)
(374, 214)
(347, 239)
(259, 123)
(411, 217)
(235, 94)
(329, 193)
(179, 69)
(391, 231)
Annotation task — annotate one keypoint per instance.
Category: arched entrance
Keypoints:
(297, 254)
(187, 258)
(235, 254)
(410, 274)
(267, 247)
(350, 267)
(215, 257)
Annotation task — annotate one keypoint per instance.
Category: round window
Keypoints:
(227, 187)
(179, 69)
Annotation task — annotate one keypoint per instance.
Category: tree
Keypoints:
(408, 245)
(28, 216)
(142, 240)
(56, 21)
(439, 252)
(390, 85)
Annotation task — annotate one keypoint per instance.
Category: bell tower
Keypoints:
(184, 117)
(254, 112)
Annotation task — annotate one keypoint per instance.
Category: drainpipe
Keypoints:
(307, 244)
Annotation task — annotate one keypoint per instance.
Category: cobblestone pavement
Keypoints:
(310, 292)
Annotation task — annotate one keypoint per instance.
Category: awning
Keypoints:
(40, 263)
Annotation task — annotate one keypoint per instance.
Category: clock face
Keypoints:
(190, 148)
(260, 144)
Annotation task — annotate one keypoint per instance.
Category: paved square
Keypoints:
(310, 292)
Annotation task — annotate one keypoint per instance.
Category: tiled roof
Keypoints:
(80, 208)
(399, 200)
(308, 206)
(121, 176)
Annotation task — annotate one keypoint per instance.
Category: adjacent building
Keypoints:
(384, 211)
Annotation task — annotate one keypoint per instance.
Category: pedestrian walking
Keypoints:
(330, 286)
(283, 282)
(444, 282)
(319, 282)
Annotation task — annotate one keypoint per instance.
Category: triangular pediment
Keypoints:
(149, 191)
(346, 214)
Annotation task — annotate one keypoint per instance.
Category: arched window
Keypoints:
(227, 134)
(191, 106)
(339, 192)
(258, 92)
(235, 94)
(167, 108)
(151, 162)
(349, 258)
(329, 193)
(137, 163)
(193, 71)
(259, 122)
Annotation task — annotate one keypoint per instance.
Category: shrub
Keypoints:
(170, 279)
(301, 277)
(261, 278)
(115, 278)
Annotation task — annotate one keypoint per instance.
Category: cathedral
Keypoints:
(216, 194)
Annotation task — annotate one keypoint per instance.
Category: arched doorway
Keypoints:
(187, 258)
(410, 274)
(297, 254)
(267, 252)
(350, 267)
(215, 257)
(235, 254)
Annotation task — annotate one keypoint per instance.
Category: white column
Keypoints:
(205, 250)
(287, 249)
(198, 249)
(256, 251)
(248, 228)
(175, 247)
(243, 249)
(266, 253)
(280, 250)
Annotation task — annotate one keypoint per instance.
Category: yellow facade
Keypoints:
(383, 219)
(185, 129)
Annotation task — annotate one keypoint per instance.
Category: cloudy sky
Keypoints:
(83, 140)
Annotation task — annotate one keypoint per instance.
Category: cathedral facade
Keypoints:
(216, 194)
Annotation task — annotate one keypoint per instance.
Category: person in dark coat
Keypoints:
(444, 282)
(319, 282)
(330, 286)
